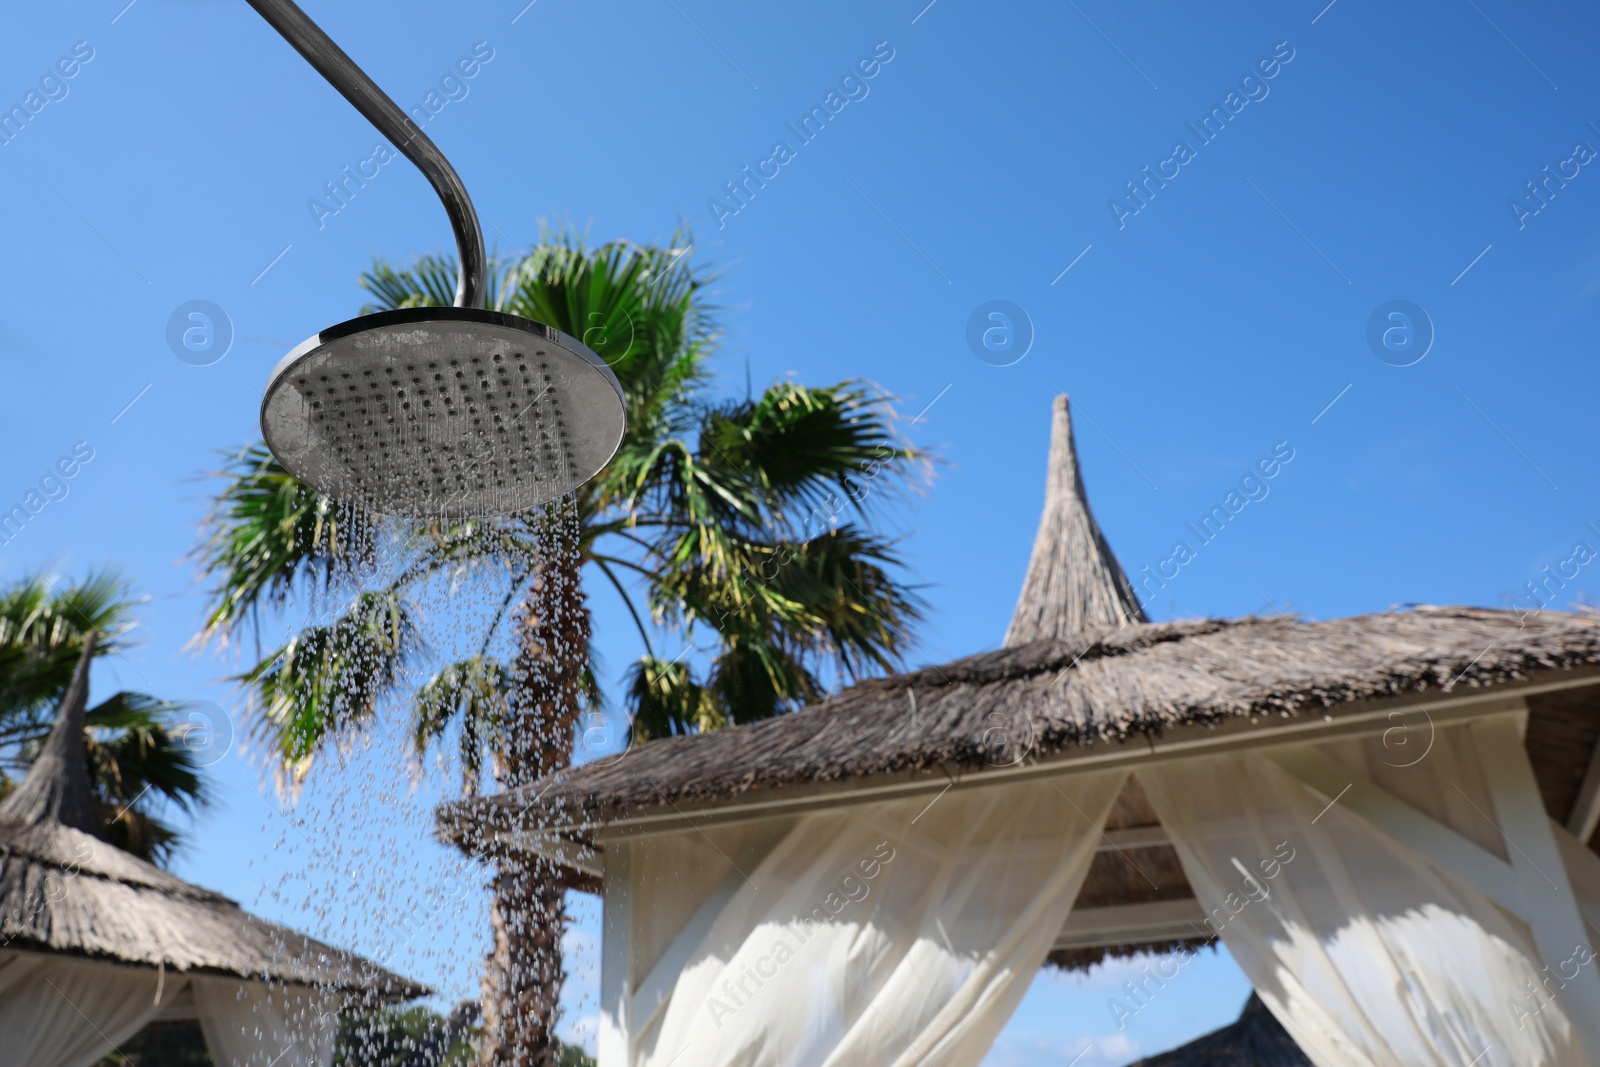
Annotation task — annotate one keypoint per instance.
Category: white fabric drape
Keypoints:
(1370, 954)
(60, 1012)
(889, 935)
(253, 1024)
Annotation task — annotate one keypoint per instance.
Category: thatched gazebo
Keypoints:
(96, 944)
(1255, 1039)
(1383, 818)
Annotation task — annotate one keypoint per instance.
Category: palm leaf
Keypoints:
(471, 695)
(330, 679)
(665, 699)
(812, 452)
(268, 537)
(139, 761)
(42, 626)
(758, 679)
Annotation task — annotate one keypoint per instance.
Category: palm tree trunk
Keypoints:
(523, 977)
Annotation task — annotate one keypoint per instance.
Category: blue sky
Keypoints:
(1226, 317)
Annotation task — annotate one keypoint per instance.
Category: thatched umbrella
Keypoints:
(1255, 1039)
(79, 914)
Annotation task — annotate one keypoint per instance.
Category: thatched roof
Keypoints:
(1111, 684)
(57, 788)
(1074, 581)
(1080, 667)
(1255, 1039)
(64, 890)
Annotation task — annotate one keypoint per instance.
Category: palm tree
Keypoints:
(734, 520)
(140, 754)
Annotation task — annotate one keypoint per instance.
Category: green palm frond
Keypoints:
(135, 749)
(756, 679)
(472, 695)
(138, 761)
(705, 509)
(42, 626)
(832, 596)
(639, 307)
(848, 604)
(812, 452)
(329, 679)
(665, 699)
(138, 747)
(269, 537)
(429, 282)
(729, 517)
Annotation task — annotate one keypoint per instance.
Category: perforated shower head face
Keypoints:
(450, 413)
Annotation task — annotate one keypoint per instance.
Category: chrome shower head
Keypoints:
(446, 413)
(451, 413)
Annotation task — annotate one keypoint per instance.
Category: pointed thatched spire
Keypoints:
(56, 788)
(1074, 582)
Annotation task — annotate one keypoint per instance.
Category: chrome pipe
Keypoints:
(329, 60)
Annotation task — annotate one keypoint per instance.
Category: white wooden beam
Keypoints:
(556, 847)
(1133, 837)
(1552, 909)
(1585, 817)
(616, 959)
(1121, 924)
(1406, 824)
(591, 860)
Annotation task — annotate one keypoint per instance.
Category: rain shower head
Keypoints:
(442, 413)
(452, 413)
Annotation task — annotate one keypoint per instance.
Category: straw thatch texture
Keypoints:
(56, 788)
(1039, 699)
(1255, 1039)
(1074, 581)
(62, 889)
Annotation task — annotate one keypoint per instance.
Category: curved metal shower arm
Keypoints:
(329, 60)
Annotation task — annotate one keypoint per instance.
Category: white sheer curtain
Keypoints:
(60, 1012)
(254, 1024)
(1370, 954)
(900, 933)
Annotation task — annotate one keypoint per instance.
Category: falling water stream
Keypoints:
(354, 854)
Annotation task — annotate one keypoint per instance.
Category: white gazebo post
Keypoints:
(615, 1037)
(1532, 884)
